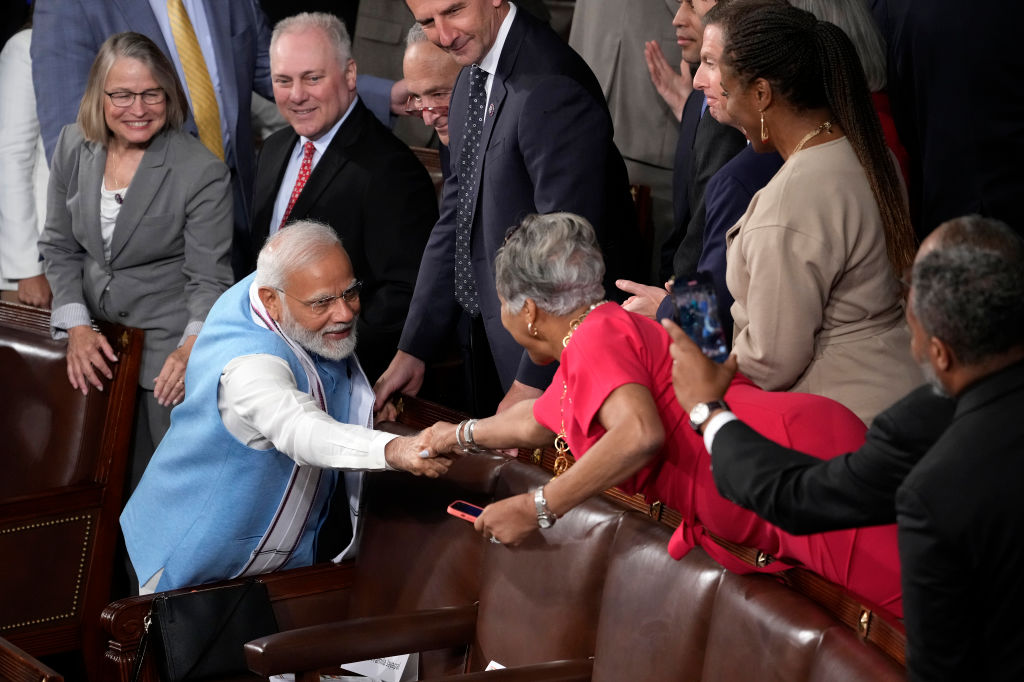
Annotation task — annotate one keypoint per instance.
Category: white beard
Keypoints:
(314, 341)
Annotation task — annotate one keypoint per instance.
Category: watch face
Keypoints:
(543, 522)
(699, 413)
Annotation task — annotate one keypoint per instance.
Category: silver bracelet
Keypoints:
(458, 435)
(470, 425)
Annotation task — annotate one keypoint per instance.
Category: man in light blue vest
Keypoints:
(275, 405)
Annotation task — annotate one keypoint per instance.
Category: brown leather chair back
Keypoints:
(427, 557)
(540, 601)
(41, 416)
(61, 492)
(762, 630)
(654, 635)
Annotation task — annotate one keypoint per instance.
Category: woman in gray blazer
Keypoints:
(138, 228)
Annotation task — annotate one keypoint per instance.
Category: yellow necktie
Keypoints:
(197, 78)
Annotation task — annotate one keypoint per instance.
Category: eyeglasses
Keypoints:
(436, 104)
(126, 98)
(322, 305)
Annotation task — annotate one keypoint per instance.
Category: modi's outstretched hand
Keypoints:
(696, 378)
(414, 454)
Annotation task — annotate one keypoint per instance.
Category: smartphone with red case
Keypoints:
(464, 510)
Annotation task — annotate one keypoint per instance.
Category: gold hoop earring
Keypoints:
(533, 330)
(764, 132)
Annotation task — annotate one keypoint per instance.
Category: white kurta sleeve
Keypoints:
(262, 406)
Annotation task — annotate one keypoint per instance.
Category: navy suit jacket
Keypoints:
(714, 145)
(681, 181)
(726, 199)
(547, 142)
(378, 197)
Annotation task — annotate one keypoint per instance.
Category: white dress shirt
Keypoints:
(262, 407)
(291, 171)
(490, 61)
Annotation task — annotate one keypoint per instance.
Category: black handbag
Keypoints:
(200, 635)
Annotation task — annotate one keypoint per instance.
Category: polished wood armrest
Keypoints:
(18, 666)
(321, 646)
(577, 670)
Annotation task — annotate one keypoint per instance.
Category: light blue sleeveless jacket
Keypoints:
(206, 499)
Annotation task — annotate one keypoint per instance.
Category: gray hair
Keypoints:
(330, 25)
(128, 45)
(554, 259)
(855, 20)
(969, 292)
(293, 248)
(415, 35)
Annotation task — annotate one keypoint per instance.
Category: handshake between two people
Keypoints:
(432, 451)
(428, 453)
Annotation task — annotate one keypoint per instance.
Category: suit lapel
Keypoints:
(492, 111)
(139, 15)
(218, 18)
(272, 164)
(148, 181)
(332, 162)
(90, 178)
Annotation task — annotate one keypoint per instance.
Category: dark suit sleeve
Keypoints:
(803, 494)
(376, 95)
(714, 146)
(725, 201)
(564, 137)
(433, 310)
(936, 577)
(62, 52)
(261, 83)
(398, 224)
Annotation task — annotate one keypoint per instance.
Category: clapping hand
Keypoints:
(673, 86)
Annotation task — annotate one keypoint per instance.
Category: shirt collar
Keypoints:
(324, 142)
(490, 61)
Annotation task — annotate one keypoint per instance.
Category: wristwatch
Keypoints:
(701, 411)
(545, 517)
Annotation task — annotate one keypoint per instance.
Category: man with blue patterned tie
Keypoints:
(530, 133)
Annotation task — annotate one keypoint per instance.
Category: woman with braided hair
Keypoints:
(814, 263)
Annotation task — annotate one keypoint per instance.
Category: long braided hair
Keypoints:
(812, 64)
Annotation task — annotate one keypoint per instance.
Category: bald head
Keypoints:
(974, 232)
(430, 75)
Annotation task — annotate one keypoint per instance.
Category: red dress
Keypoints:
(614, 347)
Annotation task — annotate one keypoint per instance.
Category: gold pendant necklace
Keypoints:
(563, 457)
(825, 127)
(118, 196)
